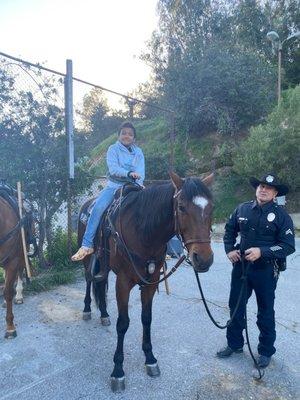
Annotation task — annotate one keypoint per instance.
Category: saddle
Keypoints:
(99, 270)
(9, 194)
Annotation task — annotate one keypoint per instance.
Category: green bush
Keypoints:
(60, 270)
(57, 251)
(274, 146)
(229, 190)
(1, 276)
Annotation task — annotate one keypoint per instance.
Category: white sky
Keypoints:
(103, 37)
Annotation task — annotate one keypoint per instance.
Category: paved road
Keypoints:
(58, 356)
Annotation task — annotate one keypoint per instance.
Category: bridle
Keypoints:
(178, 233)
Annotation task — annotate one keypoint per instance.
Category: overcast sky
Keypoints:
(103, 37)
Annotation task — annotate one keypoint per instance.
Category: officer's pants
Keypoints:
(260, 279)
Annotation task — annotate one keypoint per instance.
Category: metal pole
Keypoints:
(279, 73)
(69, 116)
(70, 142)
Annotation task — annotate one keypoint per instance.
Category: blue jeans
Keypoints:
(104, 199)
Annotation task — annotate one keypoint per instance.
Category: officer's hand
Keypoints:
(234, 256)
(253, 254)
(134, 175)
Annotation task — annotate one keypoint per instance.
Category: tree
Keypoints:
(98, 120)
(33, 150)
(213, 64)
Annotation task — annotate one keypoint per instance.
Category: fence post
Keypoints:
(70, 143)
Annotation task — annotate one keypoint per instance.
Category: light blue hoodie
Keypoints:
(120, 161)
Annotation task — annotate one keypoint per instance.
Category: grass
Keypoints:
(50, 279)
(1, 276)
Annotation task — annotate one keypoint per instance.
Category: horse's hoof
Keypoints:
(18, 301)
(86, 316)
(152, 369)
(10, 334)
(117, 384)
(105, 321)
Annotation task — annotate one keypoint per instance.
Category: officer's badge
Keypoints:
(289, 231)
(271, 217)
(269, 178)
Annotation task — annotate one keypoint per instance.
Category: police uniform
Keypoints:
(269, 228)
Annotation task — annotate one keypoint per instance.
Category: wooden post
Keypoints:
(23, 231)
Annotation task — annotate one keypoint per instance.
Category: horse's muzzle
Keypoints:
(201, 265)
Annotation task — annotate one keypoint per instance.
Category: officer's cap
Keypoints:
(270, 180)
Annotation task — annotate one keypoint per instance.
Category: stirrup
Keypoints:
(82, 253)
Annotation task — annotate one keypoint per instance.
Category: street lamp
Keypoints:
(274, 38)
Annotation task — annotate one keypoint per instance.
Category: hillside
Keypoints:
(197, 156)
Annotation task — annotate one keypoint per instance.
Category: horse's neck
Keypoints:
(163, 229)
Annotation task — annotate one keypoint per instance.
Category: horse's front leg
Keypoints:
(123, 287)
(19, 290)
(147, 294)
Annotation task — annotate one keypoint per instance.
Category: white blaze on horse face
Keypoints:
(200, 202)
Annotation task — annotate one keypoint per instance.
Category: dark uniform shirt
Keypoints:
(268, 227)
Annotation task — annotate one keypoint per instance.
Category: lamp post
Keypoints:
(274, 38)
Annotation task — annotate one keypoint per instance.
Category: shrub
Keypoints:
(57, 251)
(275, 145)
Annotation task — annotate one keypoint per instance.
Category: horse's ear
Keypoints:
(176, 180)
(208, 180)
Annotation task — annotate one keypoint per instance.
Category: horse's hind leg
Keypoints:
(123, 288)
(10, 278)
(19, 290)
(4, 302)
(147, 293)
(86, 315)
(100, 290)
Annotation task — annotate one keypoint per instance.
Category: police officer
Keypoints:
(266, 239)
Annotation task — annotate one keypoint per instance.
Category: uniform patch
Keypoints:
(271, 217)
(289, 231)
(275, 248)
(270, 178)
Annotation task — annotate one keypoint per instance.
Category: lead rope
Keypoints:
(242, 292)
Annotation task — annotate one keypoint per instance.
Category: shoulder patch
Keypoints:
(289, 232)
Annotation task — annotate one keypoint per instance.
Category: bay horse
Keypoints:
(11, 259)
(140, 229)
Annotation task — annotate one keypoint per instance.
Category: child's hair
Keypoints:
(127, 124)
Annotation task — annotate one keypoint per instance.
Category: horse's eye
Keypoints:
(181, 208)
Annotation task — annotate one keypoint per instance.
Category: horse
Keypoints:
(11, 259)
(140, 228)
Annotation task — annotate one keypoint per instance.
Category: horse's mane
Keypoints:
(154, 205)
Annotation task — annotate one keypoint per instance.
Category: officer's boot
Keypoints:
(227, 352)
